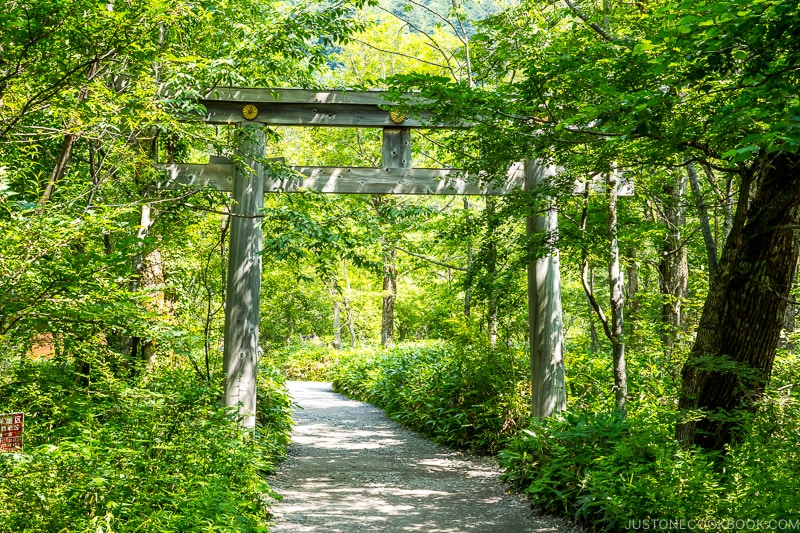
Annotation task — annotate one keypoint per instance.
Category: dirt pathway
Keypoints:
(351, 469)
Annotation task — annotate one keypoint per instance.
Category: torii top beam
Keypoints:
(302, 107)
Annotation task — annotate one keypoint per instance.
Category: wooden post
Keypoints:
(548, 388)
(240, 358)
(396, 154)
(396, 148)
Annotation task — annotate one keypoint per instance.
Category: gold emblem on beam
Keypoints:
(250, 112)
(397, 117)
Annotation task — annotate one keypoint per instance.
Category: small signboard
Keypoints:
(11, 426)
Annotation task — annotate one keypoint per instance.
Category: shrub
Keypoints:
(605, 471)
(306, 361)
(465, 397)
(157, 455)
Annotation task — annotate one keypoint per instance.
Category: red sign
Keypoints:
(11, 425)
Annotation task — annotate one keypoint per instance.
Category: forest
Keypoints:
(673, 131)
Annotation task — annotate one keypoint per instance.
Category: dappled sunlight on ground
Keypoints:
(327, 436)
(351, 469)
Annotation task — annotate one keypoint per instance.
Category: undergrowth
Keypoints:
(306, 361)
(604, 471)
(614, 474)
(467, 397)
(154, 453)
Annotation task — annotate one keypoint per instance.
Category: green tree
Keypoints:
(662, 84)
(87, 94)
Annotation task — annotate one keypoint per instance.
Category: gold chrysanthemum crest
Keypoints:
(249, 111)
(398, 117)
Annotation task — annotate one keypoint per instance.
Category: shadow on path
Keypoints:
(351, 469)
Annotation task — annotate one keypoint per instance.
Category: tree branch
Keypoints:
(401, 54)
(585, 273)
(593, 301)
(216, 212)
(595, 26)
(431, 260)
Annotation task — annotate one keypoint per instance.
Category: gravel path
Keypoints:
(351, 469)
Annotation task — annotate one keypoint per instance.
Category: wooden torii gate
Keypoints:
(250, 109)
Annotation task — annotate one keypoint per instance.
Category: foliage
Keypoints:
(588, 463)
(605, 471)
(113, 445)
(89, 93)
(468, 397)
(60, 277)
(427, 15)
(306, 361)
(294, 305)
(155, 453)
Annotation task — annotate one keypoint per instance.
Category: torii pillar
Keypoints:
(240, 355)
(546, 333)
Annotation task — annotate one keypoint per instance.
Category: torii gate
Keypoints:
(249, 181)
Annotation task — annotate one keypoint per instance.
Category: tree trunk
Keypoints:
(348, 310)
(154, 279)
(632, 286)
(725, 200)
(389, 297)
(617, 299)
(337, 326)
(739, 330)
(705, 224)
(336, 297)
(491, 271)
(674, 267)
(468, 284)
(68, 143)
(388, 257)
(149, 272)
(594, 340)
(613, 327)
(789, 322)
(60, 167)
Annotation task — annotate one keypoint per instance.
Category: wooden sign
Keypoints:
(11, 427)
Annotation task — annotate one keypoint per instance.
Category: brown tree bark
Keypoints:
(731, 360)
